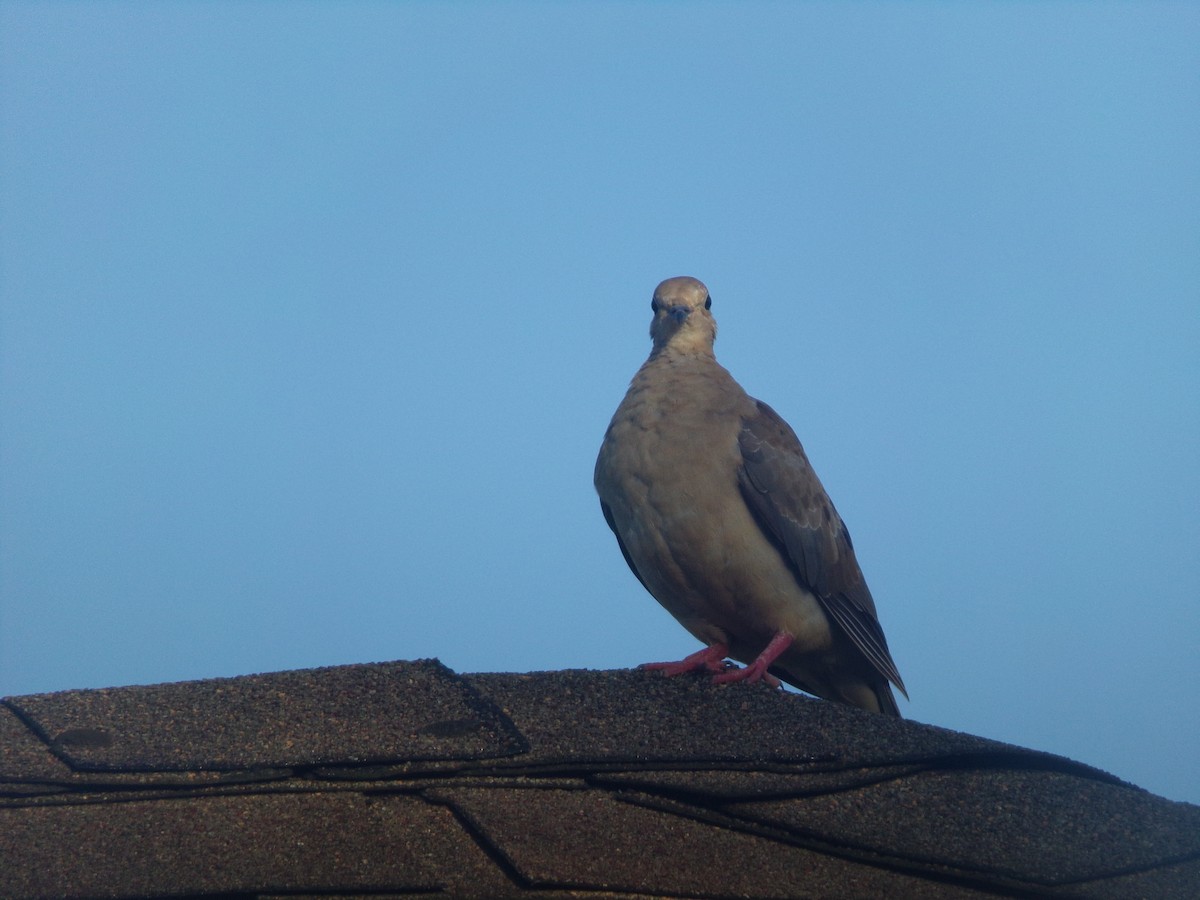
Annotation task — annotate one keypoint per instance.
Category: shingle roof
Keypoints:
(407, 778)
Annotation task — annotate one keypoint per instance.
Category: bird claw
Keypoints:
(711, 659)
(751, 674)
(757, 670)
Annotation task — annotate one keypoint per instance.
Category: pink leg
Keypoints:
(757, 670)
(708, 659)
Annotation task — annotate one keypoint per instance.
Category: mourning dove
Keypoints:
(722, 518)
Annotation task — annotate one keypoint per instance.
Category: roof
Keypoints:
(407, 778)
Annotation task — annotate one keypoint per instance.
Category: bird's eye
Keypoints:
(708, 302)
(654, 304)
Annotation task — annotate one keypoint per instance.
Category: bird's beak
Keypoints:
(679, 313)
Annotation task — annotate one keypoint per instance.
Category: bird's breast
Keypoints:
(668, 471)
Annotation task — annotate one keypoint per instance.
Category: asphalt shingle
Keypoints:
(408, 779)
(359, 714)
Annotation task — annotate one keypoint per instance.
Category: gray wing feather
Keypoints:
(608, 517)
(780, 486)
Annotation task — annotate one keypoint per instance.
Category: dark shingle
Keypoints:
(407, 779)
(620, 716)
(336, 842)
(1003, 819)
(349, 714)
(26, 763)
(595, 841)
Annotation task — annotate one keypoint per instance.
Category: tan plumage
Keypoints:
(722, 518)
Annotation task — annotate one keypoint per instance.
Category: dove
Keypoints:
(720, 516)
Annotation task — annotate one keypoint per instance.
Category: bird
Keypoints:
(721, 517)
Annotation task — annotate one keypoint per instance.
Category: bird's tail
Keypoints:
(886, 699)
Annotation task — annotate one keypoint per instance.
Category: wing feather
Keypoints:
(608, 517)
(781, 488)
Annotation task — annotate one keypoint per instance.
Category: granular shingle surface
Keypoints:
(407, 779)
(359, 714)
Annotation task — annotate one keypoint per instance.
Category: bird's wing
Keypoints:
(780, 486)
(608, 517)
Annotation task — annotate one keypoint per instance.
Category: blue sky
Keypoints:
(312, 317)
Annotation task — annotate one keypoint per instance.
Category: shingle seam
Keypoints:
(490, 711)
(636, 764)
(101, 787)
(121, 793)
(1027, 761)
(36, 730)
(356, 778)
(92, 782)
(1128, 871)
(984, 760)
(1003, 883)
(538, 784)
(686, 794)
(478, 834)
(109, 796)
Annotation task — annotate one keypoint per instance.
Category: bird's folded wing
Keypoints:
(608, 517)
(780, 486)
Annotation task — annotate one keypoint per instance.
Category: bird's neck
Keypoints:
(678, 351)
(672, 363)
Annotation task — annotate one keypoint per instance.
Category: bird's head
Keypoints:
(682, 318)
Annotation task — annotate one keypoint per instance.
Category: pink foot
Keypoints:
(710, 659)
(757, 670)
